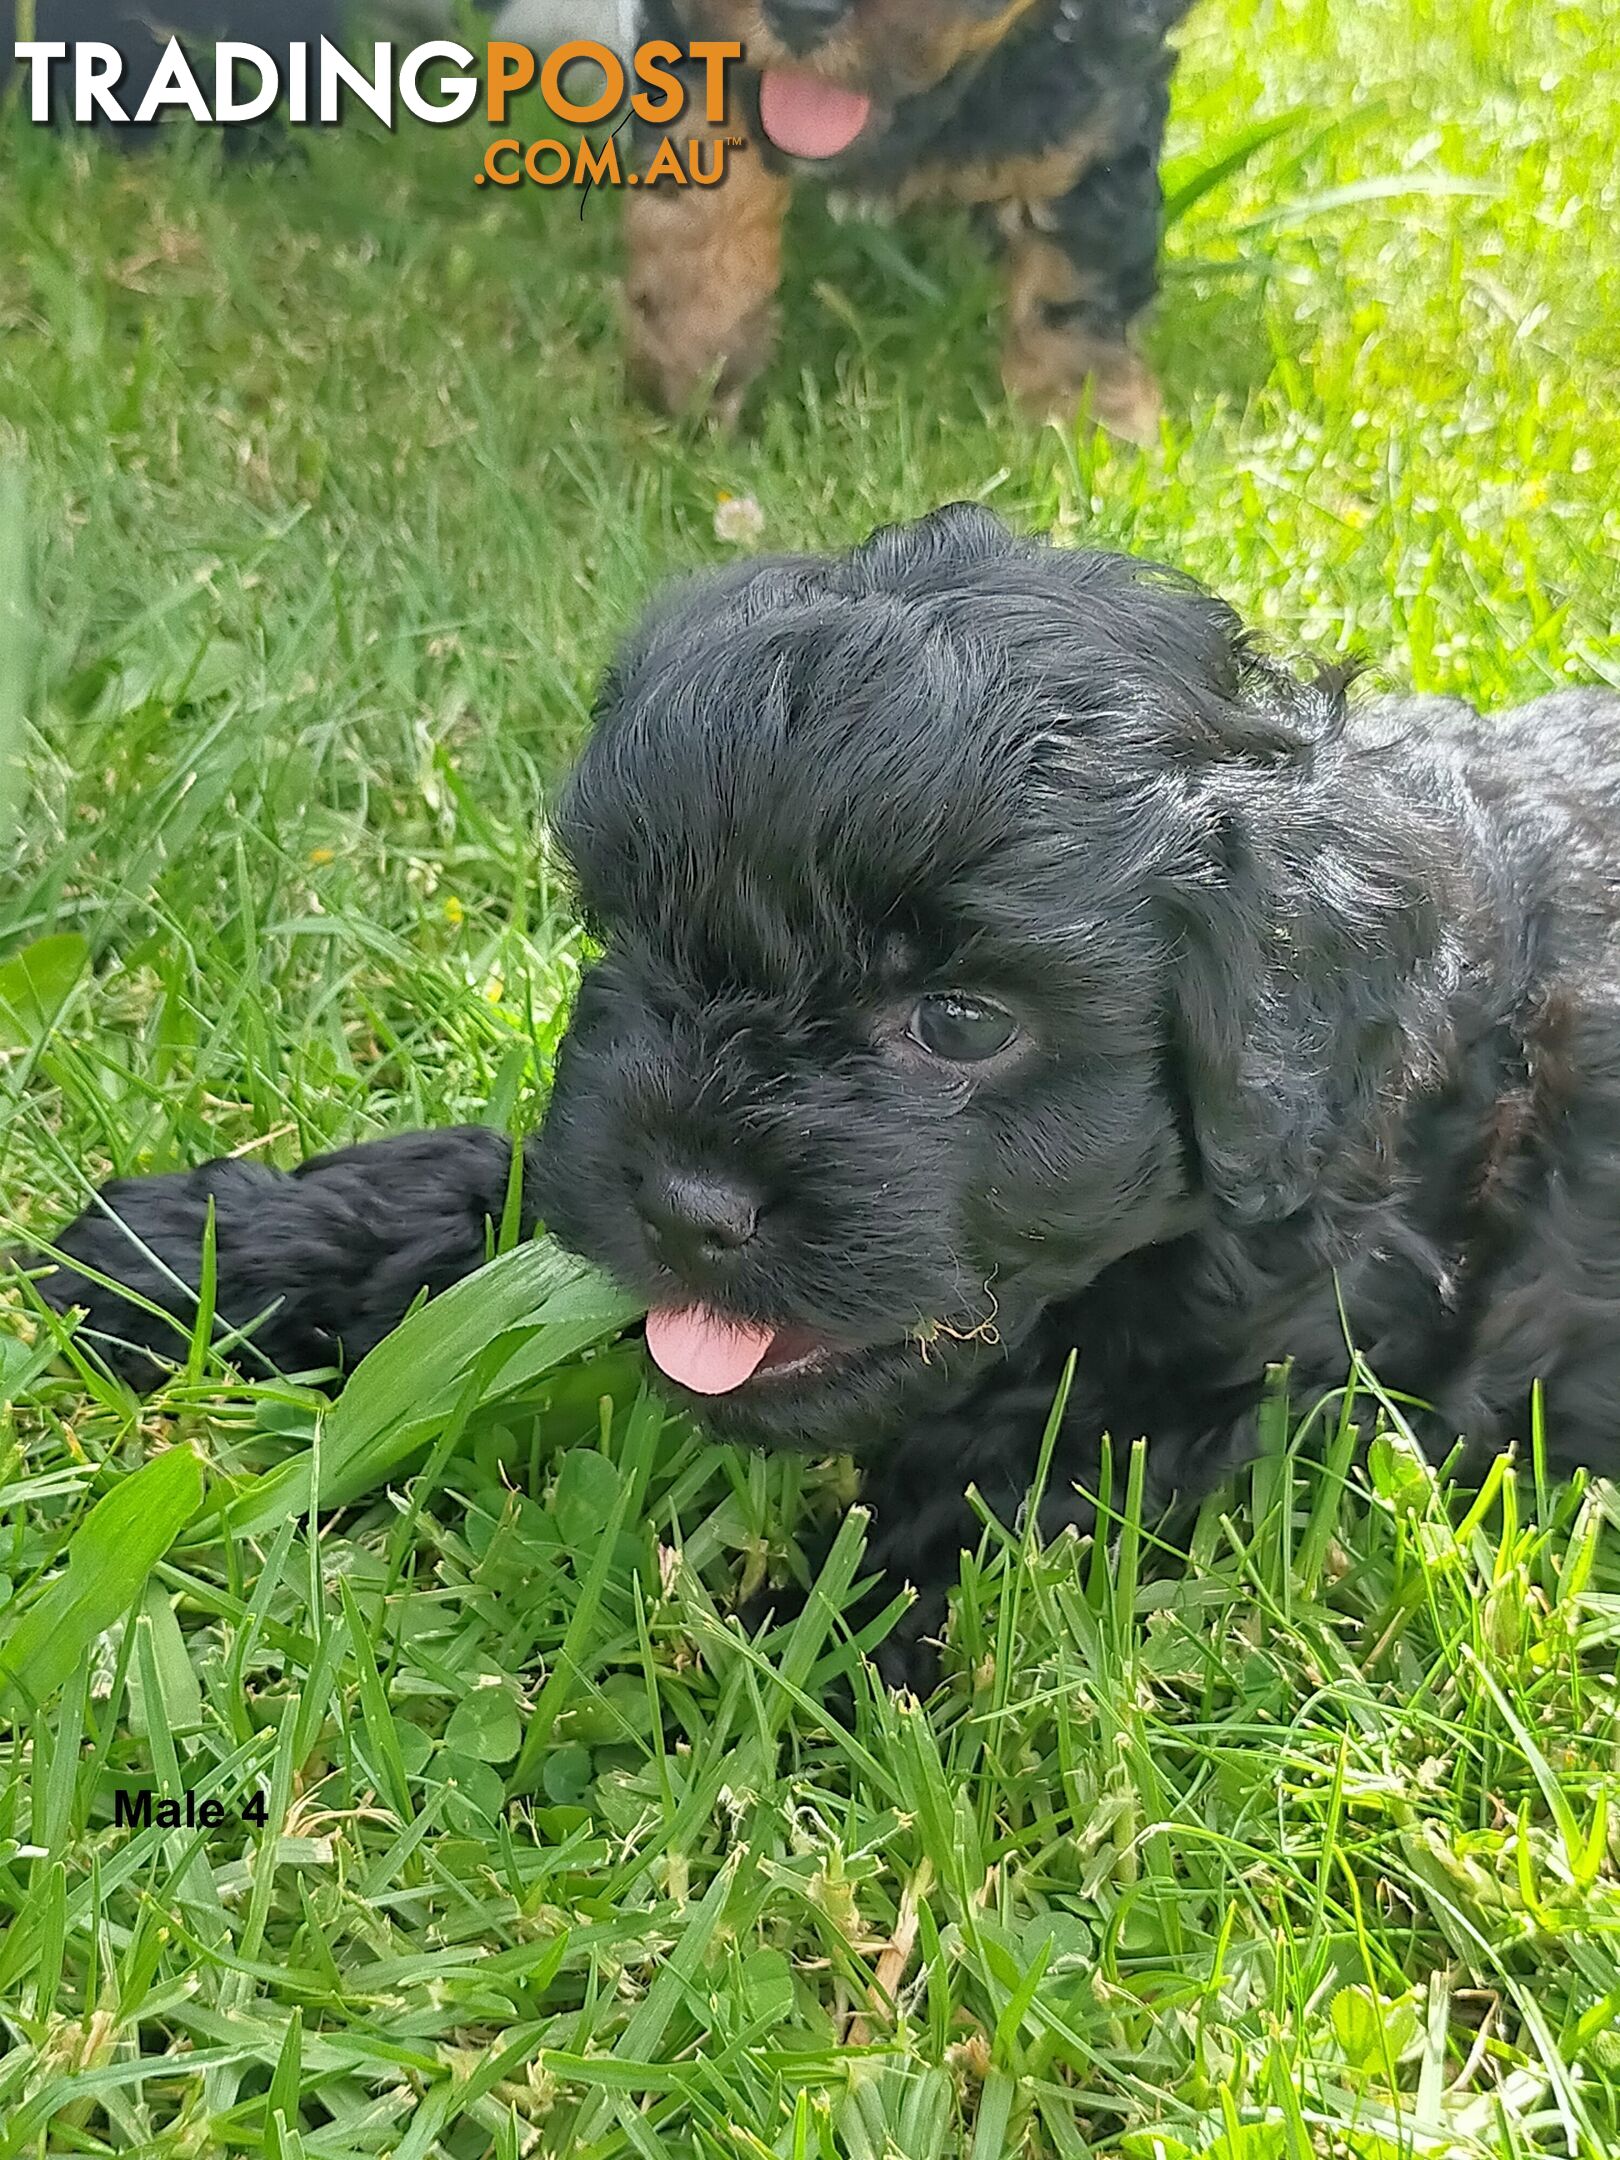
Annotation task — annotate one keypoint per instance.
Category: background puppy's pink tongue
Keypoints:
(807, 117)
(703, 1350)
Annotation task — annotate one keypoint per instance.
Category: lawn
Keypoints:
(319, 513)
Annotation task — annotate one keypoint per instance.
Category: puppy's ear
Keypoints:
(1255, 1099)
(1307, 995)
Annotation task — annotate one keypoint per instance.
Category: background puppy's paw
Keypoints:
(700, 290)
(1053, 371)
(683, 376)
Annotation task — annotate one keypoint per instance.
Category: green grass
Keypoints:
(332, 513)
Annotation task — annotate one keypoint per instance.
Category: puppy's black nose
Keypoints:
(695, 1215)
(802, 24)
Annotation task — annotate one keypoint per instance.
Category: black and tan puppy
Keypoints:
(999, 958)
(1049, 113)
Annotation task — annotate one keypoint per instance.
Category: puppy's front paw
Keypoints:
(700, 291)
(675, 364)
(1052, 370)
(144, 1236)
(908, 1656)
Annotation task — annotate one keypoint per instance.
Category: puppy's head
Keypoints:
(830, 72)
(905, 1022)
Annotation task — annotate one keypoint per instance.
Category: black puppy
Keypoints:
(1000, 957)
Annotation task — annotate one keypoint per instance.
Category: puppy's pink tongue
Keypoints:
(807, 117)
(703, 1350)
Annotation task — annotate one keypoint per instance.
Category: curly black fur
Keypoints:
(1318, 1001)
(315, 1264)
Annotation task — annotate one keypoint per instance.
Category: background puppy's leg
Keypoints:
(326, 1259)
(700, 285)
(1080, 270)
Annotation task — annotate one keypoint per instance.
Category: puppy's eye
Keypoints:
(965, 1030)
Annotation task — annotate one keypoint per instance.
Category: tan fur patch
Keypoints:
(700, 286)
(1039, 177)
(1051, 368)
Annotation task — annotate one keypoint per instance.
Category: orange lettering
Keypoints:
(652, 66)
(716, 55)
(551, 75)
(511, 68)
